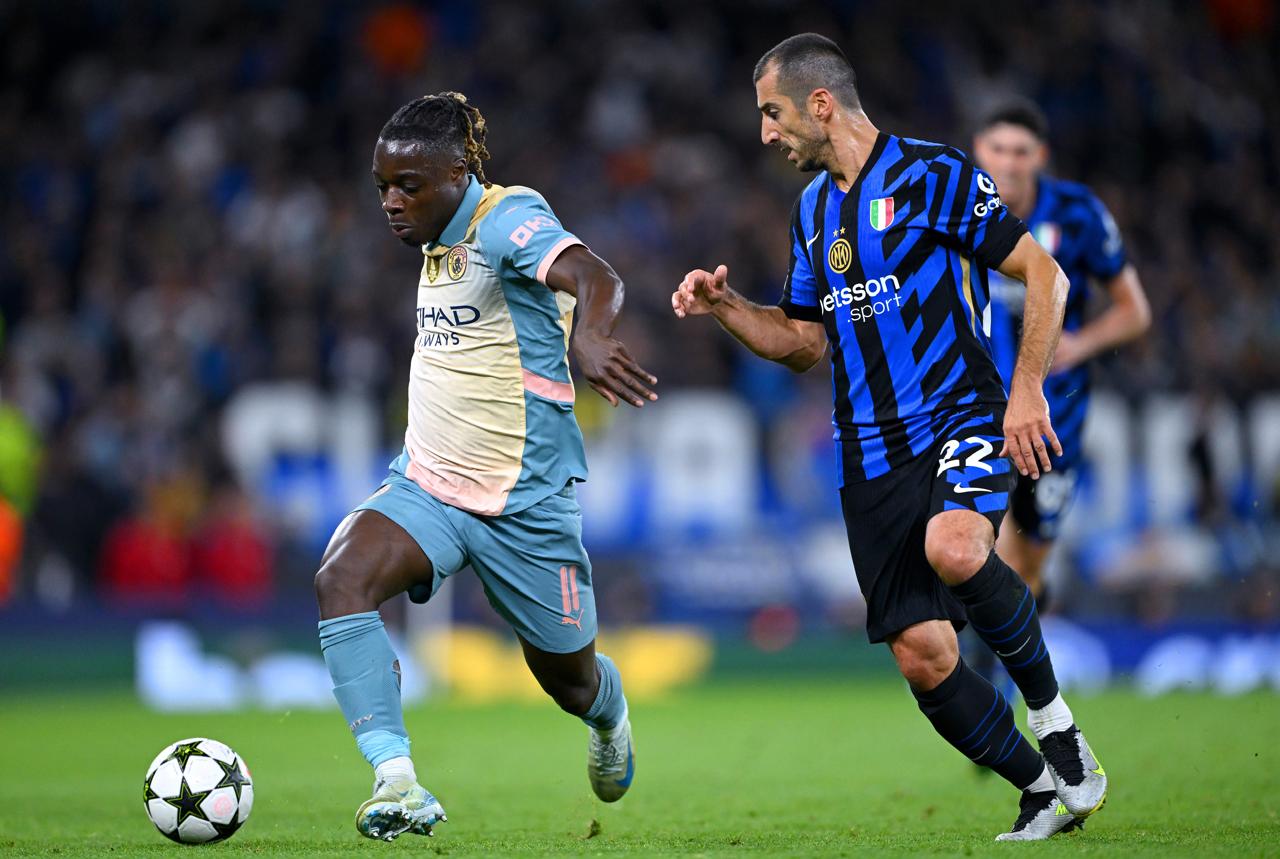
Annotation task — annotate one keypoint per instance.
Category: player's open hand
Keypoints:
(610, 369)
(1026, 426)
(700, 291)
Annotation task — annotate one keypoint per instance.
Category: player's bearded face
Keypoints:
(789, 126)
(800, 138)
(809, 146)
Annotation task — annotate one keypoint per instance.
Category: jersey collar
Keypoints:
(456, 231)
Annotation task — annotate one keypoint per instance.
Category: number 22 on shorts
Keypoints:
(973, 460)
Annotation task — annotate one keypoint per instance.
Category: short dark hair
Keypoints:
(443, 122)
(806, 62)
(1021, 112)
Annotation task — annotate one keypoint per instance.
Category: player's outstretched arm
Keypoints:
(1026, 420)
(604, 361)
(766, 331)
(1125, 320)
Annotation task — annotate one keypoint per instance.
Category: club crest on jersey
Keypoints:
(840, 256)
(456, 262)
(881, 213)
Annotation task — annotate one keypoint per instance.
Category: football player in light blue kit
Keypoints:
(1074, 226)
(491, 454)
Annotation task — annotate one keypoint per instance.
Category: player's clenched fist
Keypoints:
(700, 291)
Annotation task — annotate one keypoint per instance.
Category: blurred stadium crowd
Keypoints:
(186, 212)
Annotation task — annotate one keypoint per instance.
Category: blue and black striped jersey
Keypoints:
(896, 270)
(1072, 225)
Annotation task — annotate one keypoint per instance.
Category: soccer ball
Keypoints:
(197, 791)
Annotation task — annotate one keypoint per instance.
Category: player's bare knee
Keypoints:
(328, 584)
(923, 670)
(341, 590)
(925, 656)
(954, 557)
(575, 699)
(912, 665)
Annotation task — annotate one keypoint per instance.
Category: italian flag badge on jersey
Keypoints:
(1049, 236)
(881, 213)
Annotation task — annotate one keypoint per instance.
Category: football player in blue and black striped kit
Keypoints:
(1075, 227)
(890, 247)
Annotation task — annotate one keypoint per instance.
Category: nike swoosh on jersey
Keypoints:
(809, 243)
(971, 489)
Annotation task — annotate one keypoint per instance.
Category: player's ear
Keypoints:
(821, 104)
(458, 169)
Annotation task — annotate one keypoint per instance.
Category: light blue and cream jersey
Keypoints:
(491, 423)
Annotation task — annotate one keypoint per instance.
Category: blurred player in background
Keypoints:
(491, 454)
(1071, 224)
(890, 245)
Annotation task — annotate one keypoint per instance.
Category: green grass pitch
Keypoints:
(795, 768)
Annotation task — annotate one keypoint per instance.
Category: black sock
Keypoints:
(1003, 613)
(976, 653)
(972, 716)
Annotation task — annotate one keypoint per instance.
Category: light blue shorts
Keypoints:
(532, 564)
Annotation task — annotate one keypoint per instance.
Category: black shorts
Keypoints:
(886, 518)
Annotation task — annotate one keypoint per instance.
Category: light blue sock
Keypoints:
(606, 711)
(366, 682)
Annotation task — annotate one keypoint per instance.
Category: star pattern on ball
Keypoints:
(185, 752)
(188, 803)
(232, 776)
(147, 793)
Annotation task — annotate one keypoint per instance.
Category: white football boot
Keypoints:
(1040, 816)
(611, 760)
(1080, 779)
(396, 808)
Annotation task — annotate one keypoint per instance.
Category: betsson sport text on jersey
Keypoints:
(849, 295)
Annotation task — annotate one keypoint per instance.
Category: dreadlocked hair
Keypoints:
(443, 122)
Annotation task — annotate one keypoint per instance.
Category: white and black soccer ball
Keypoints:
(198, 791)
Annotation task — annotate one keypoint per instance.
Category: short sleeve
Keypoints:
(1104, 254)
(965, 207)
(524, 235)
(800, 291)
